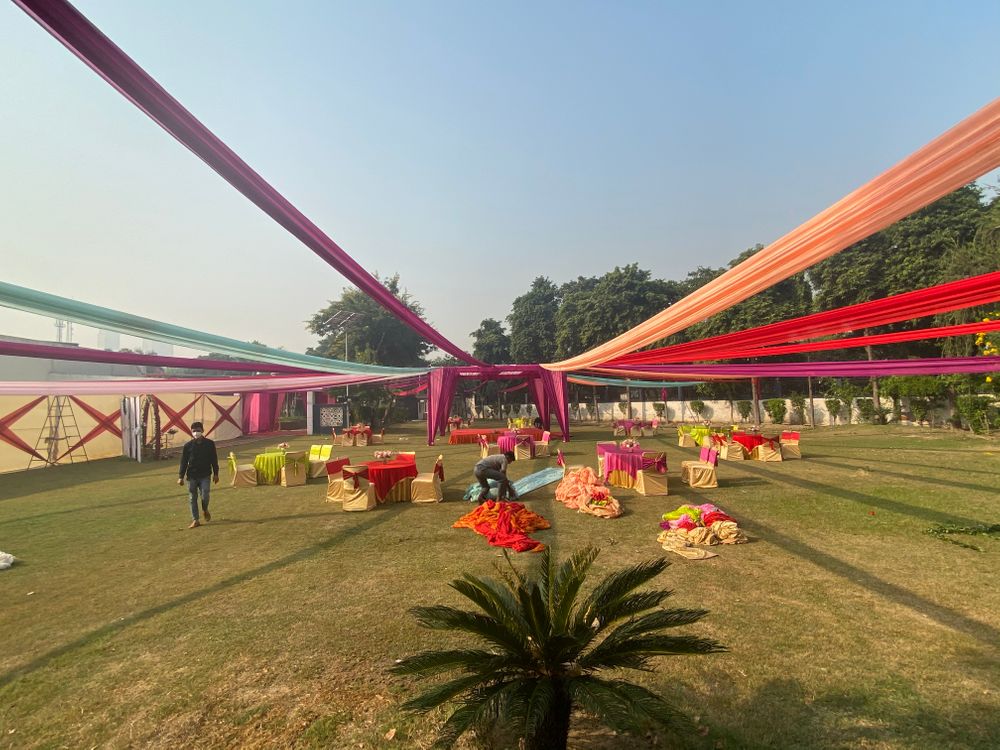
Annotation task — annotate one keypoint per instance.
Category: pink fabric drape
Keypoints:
(98, 52)
(968, 150)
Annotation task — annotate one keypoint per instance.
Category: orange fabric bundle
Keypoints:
(505, 524)
(584, 491)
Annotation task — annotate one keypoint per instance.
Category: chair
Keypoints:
(654, 426)
(336, 439)
(523, 448)
(542, 446)
(335, 479)
(619, 430)
(485, 449)
(318, 456)
(561, 461)
(378, 438)
(426, 488)
(361, 439)
(600, 455)
(412, 455)
(701, 473)
(244, 475)
(766, 452)
(789, 446)
(651, 481)
(684, 439)
(358, 493)
(732, 451)
(293, 473)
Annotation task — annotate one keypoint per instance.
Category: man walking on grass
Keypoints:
(199, 461)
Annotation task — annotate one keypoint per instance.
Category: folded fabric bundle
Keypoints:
(584, 491)
(505, 525)
(6, 560)
(698, 525)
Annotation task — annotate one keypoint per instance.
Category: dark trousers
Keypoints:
(503, 484)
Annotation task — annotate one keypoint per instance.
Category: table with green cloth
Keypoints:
(698, 434)
(268, 466)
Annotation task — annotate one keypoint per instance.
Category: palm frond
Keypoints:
(658, 620)
(540, 701)
(496, 600)
(545, 569)
(631, 650)
(428, 663)
(633, 604)
(625, 706)
(616, 586)
(568, 580)
(445, 691)
(440, 617)
(535, 611)
(480, 708)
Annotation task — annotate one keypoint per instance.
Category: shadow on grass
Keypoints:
(960, 469)
(945, 616)
(172, 495)
(888, 714)
(893, 506)
(876, 465)
(139, 617)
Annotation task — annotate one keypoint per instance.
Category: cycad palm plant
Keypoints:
(546, 646)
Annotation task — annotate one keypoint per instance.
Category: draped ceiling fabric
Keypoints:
(858, 368)
(87, 42)
(968, 150)
(618, 382)
(83, 354)
(41, 303)
(128, 387)
(548, 391)
(954, 295)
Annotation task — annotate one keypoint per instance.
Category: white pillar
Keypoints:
(310, 400)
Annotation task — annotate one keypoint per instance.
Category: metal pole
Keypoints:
(347, 388)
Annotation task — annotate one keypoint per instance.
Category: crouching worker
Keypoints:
(495, 467)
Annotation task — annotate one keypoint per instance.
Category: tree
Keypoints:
(776, 409)
(545, 651)
(374, 336)
(533, 323)
(491, 343)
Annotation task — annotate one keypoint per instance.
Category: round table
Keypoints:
(388, 478)
(268, 466)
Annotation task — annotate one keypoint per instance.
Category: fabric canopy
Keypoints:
(593, 380)
(29, 300)
(126, 387)
(960, 155)
(965, 329)
(955, 295)
(83, 354)
(87, 42)
(858, 368)
(548, 390)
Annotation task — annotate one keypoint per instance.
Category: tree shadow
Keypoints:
(140, 501)
(113, 628)
(877, 464)
(869, 501)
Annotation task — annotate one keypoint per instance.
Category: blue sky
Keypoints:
(468, 146)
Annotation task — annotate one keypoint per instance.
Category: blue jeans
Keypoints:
(205, 485)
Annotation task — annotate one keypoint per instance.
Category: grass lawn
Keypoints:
(273, 625)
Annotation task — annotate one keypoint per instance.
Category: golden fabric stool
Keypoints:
(244, 475)
(293, 473)
(358, 494)
(426, 488)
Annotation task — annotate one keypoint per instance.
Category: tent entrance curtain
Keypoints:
(548, 391)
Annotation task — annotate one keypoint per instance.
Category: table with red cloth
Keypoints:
(461, 437)
(750, 441)
(387, 478)
(454, 423)
(506, 443)
(621, 465)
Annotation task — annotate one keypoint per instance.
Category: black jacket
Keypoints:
(199, 459)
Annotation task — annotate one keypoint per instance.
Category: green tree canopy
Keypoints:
(491, 343)
(533, 323)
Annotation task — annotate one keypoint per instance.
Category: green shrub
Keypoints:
(798, 407)
(659, 407)
(625, 410)
(833, 405)
(979, 413)
(870, 413)
(745, 408)
(698, 407)
(776, 409)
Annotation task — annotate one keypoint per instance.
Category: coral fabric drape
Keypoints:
(968, 150)
(87, 42)
(954, 295)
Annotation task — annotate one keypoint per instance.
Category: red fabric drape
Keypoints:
(955, 295)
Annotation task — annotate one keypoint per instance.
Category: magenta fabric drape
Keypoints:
(540, 398)
(955, 295)
(106, 59)
(858, 368)
(557, 394)
(84, 354)
(440, 391)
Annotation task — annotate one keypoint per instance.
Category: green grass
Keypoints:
(273, 625)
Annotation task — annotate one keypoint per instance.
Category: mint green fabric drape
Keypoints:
(42, 303)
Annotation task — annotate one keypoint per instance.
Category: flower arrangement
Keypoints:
(629, 443)
(384, 455)
(283, 446)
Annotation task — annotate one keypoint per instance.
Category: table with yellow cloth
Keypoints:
(268, 466)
